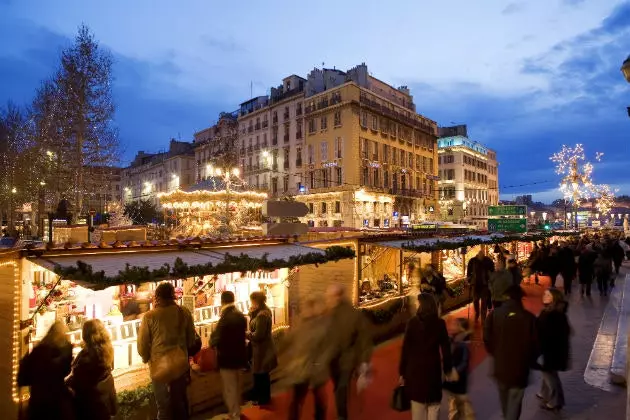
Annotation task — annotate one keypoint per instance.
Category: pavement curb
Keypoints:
(618, 366)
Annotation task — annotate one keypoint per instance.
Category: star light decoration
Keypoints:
(577, 183)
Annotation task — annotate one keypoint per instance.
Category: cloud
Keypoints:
(573, 2)
(513, 8)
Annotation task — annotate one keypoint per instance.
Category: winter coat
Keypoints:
(350, 338)
(264, 358)
(309, 353)
(618, 253)
(603, 266)
(510, 338)
(461, 362)
(551, 265)
(586, 270)
(566, 260)
(93, 386)
(228, 338)
(420, 363)
(44, 370)
(553, 334)
(478, 273)
(517, 275)
(500, 283)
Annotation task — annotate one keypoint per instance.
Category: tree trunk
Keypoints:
(78, 202)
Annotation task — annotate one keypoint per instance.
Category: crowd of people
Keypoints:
(331, 343)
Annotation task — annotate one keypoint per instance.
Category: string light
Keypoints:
(16, 347)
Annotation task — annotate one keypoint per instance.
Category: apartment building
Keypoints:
(469, 179)
(104, 186)
(271, 138)
(153, 173)
(216, 146)
(369, 159)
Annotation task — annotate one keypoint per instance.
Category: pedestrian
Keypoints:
(586, 270)
(229, 340)
(500, 282)
(460, 407)
(510, 338)
(552, 265)
(351, 342)
(434, 283)
(44, 370)
(478, 274)
(308, 358)
(264, 358)
(553, 333)
(91, 379)
(165, 335)
(603, 269)
(424, 358)
(515, 270)
(618, 254)
(568, 267)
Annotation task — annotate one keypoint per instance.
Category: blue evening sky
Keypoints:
(526, 76)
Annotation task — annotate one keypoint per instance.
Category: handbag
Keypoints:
(400, 399)
(171, 364)
(207, 359)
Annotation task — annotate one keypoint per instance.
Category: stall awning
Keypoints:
(121, 266)
(409, 243)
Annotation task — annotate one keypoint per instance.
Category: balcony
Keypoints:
(322, 104)
(265, 124)
(335, 99)
(275, 120)
(399, 117)
(286, 116)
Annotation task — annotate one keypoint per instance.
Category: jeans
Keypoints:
(300, 392)
(262, 388)
(232, 391)
(459, 407)
(602, 285)
(171, 399)
(480, 304)
(424, 411)
(511, 401)
(551, 389)
(341, 382)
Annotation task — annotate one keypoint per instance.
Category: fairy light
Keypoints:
(16, 329)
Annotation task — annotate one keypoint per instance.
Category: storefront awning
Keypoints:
(98, 270)
(410, 243)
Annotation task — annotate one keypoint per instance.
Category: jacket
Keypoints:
(461, 362)
(478, 272)
(500, 283)
(517, 275)
(309, 354)
(228, 338)
(264, 357)
(566, 259)
(93, 386)
(554, 333)
(603, 266)
(164, 328)
(586, 270)
(420, 363)
(510, 337)
(350, 337)
(44, 370)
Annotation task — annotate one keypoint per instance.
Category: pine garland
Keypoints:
(231, 264)
(491, 240)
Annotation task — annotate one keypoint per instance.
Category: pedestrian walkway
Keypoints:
(582, 400)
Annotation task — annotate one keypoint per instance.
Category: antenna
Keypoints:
(251, 89)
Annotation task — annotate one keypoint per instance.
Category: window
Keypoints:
(337, 206)
(385, 153)
(337, 118)
(285, 186)
(324, 123)
(312, 126)
(286, 158)
(310, 208)
(298, 108)
(311, 154)
(298, 157)
(324, 208)
(403, 156)
(338, 175)
(394, 156)
(365, 147)
(374, 122)
(364, 119)
(323, 153)
(311, 179)
(338, 148)
(365, 177)
(376, 178)
(385, 179)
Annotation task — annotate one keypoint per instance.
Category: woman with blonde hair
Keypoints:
(44, 370)
(91, 379)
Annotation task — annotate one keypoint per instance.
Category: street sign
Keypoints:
(284, 229)
(284, 209)
(507, 225)
(507, 211)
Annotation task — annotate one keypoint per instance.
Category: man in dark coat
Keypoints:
(478, 274)
(228, 339)
(352, 345)
(568, 268)
(586, 270)
(510, 338)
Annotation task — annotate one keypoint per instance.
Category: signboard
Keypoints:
(425, 226)
(507, 225)
(284, 209)
(284, 229)
(507, 211)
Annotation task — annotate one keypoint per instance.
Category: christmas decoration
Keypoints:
(179, 269)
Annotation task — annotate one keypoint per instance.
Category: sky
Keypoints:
(525, 76)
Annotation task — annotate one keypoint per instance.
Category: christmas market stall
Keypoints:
(115, 283)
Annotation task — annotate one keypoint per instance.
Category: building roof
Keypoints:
(445, 142)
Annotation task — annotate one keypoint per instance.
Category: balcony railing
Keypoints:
(385, 110)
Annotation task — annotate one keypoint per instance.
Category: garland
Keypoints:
(491, 240)
(458, 288)
(231, 264)
(383, 316)
(129, 402)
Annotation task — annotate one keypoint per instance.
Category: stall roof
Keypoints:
(419, 242)
(115, 261)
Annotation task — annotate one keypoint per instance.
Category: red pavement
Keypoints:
(375, 401)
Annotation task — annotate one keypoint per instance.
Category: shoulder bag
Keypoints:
(170, 365)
